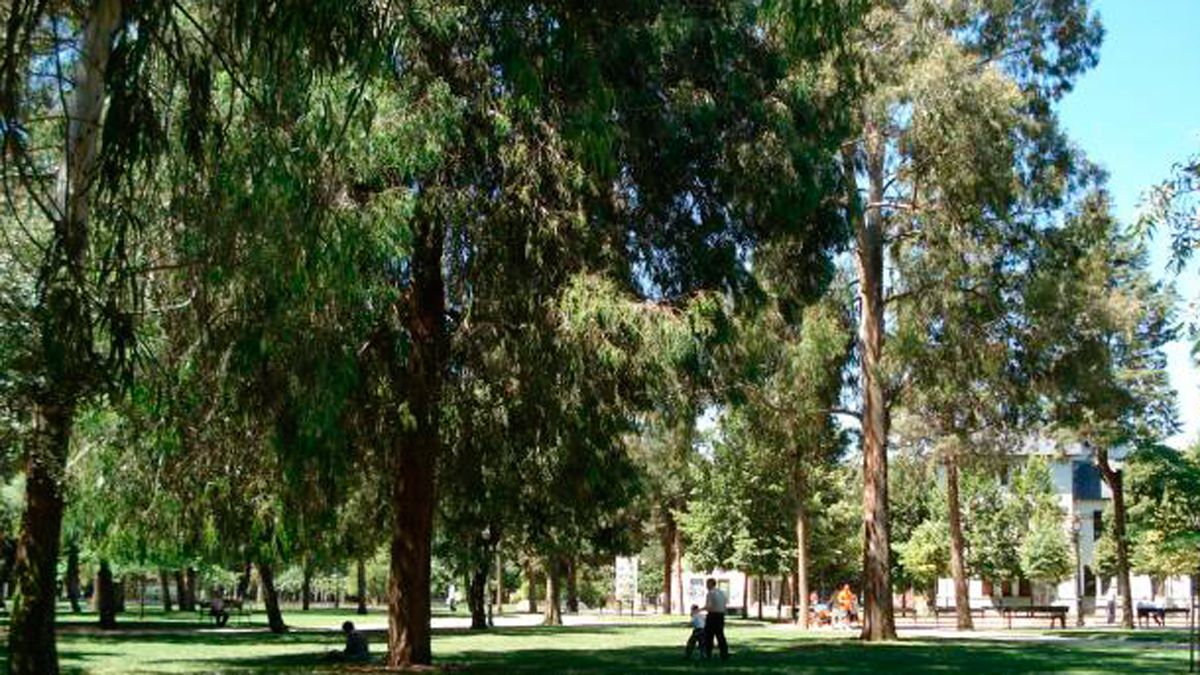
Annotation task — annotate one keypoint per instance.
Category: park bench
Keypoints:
(1159, 614)
(939, 611)
(1055, 612)
(236, 608)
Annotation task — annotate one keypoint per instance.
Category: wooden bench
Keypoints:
(233, 606)
(1159, 614)
(1055, 612)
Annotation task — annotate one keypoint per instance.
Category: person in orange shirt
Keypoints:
(845, 603)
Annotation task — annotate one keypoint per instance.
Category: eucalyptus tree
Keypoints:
(72, 75)
(1098, 323)
(951, 120)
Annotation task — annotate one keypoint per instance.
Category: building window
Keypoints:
(1085, 480)
(1097, 524)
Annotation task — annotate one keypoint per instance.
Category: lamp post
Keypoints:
(1076, 525)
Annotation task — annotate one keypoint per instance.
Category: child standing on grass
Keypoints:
(697, 624)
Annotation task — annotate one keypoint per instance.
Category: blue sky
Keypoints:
(1136, 114)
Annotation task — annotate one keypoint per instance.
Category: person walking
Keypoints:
(714, 621)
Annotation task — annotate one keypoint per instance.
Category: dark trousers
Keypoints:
(694, 640)
(714, 627)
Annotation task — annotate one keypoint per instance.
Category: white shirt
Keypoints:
(698, 621)
(715, 601)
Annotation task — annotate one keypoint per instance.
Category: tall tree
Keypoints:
(1099, 326)
(953, 112)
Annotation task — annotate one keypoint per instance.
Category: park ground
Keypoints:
(177, 643)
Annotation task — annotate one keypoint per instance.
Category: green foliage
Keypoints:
(1163, 486)
(1045, 552)
(925, 554)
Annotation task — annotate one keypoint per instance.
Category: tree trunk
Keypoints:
(477, 596)
(531, 582)
(678, 551)
(165, 582)
(181, 592)
(1113, 478)
(958, 568)
(106, 597)
(243, 585)
(499, 582)
(745, 595)
(552, 615)
(266, 577)
(65, 335)
(802, 561)
(189, 579)
(72, 580)
(667, 536)
(416, 453)
(362, 586)
(305, 586)
(879, 623)
(758, 588)
(31, 637)
(784, 591)
(572, 585)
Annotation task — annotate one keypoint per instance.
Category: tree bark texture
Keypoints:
(531, 583)
(477, 596)
(181, 592)
(415, 455)
(72, 580)
(878, 620)
(677, 550)
(572, 565)
(165, 583)
(667, 536)
(266, 577)
(802, 562)
(1114, 479)
(106, 596)
(958, 567)
(552, 614)
(361, 586)
(189, 588)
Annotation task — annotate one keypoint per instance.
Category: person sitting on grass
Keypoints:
(356, 649)
(697, 636)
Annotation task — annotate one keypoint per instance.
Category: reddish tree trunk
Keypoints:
(878, 620)
(419, 443)
(958, 568)
(802, 562)
(1113, 479)
(667, 536)
(552, 615)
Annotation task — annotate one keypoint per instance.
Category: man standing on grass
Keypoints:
(714, 622)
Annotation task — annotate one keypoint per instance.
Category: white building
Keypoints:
(1082, 494)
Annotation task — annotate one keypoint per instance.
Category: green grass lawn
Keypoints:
(175, 644)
